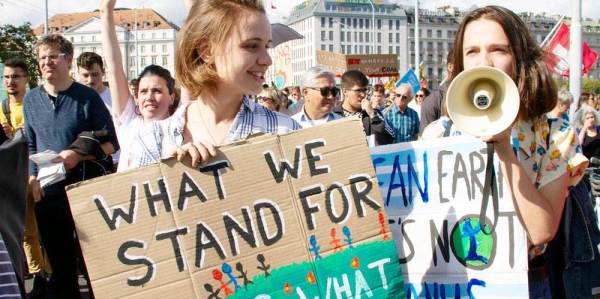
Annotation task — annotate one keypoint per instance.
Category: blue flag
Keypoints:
(410, 78)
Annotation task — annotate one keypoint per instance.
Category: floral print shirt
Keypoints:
(548, 149)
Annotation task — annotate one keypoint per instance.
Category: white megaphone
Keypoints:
(482, 101)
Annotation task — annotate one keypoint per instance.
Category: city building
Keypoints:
(145, 37)
(383, 27)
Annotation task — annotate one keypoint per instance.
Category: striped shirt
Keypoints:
(9, 287)
(405, 124)
(250, 119)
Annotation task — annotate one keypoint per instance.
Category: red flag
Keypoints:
(273, 6)
(558, 47)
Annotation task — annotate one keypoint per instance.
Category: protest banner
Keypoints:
(297, 215)
(432, 191)
(410, 78)
(372, 65)
(282, 63)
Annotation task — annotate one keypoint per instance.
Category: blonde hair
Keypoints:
(210, 22)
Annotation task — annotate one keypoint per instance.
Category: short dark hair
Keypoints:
(354, 77)
(56, 40)
(156, 70)
(17, 63)
(133, 82)
(87, 59)
(378, 88)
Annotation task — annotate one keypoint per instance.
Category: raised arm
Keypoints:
(117, 80)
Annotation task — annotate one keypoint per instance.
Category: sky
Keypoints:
(16, 12)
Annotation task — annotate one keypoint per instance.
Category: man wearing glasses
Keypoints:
(403, 119)
(55, 114)
(355, 89)
(15, 79)
(320, 97)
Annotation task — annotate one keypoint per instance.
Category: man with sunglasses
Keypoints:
(403, 119)
(356, 103)
(320, 97)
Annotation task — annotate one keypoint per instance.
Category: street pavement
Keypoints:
(82, 287)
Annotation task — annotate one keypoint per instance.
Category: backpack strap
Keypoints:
(6, 111)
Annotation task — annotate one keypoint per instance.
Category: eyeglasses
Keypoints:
(15, 77)
(326, 90)
(419, 96)
(264, 99)
(401, 96)
(362, 91)
(52, 57)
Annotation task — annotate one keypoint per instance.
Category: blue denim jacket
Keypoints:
(581, 245)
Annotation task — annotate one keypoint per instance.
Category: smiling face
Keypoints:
(242, 61)
(154, 98)
(486, 44)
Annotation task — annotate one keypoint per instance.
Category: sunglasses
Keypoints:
(419, 96)
(401, 96)
(326, 90)
(361, 90)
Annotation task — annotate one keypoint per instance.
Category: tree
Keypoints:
(19, 42)
(590, 84)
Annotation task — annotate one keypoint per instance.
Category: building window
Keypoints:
(93, 49)
(348, 49)
(165, 61)
(439, 34)
(330, 48)
(330, 22)
(72, 39)
(164, 35)
(131, 62)
(342, 36)
(143, 49)
(378, 50)
(93, 38)
(132, 74)
(164, 47)
(412, 32)
(378, 24)
(429, 33)
(397, 24)
(378, 37)
(331, 36)
(143, 36)
(83, 39)
(367, 39)
(391, 37)
(153, 48)
(153, 59)
(390, 22)
(322, 22)
(143, 61)
(131, 49)
(397, 37)
(323, 36)
(354, 23)
(360, 37)
(153, 35)
(349, 36)
(449, 34)
(367, 50)
(323, 47)
(360, 23)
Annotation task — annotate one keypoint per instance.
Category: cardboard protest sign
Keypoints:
(290, 216)
(372, 65)
(282, 65)
(432, 191)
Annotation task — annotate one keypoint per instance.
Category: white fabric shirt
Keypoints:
(127, 126)
(306, 122)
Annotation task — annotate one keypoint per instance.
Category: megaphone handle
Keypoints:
(489, 185)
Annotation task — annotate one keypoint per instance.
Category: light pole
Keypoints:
(328, 40)
(136, 38)
(345, 26)
(417, 54)
(373, 25)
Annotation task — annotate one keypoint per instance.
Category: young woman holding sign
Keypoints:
(221, 58)
(550, 157)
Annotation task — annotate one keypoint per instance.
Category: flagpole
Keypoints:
(552, 32)
(576, 56)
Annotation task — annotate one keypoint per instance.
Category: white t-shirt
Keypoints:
(106, 98)
(105, 95)
(127, 127)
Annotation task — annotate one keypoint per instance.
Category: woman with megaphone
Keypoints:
(549, 158)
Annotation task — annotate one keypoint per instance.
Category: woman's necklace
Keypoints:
(214, 142)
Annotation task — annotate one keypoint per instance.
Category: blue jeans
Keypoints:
(540, 289)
